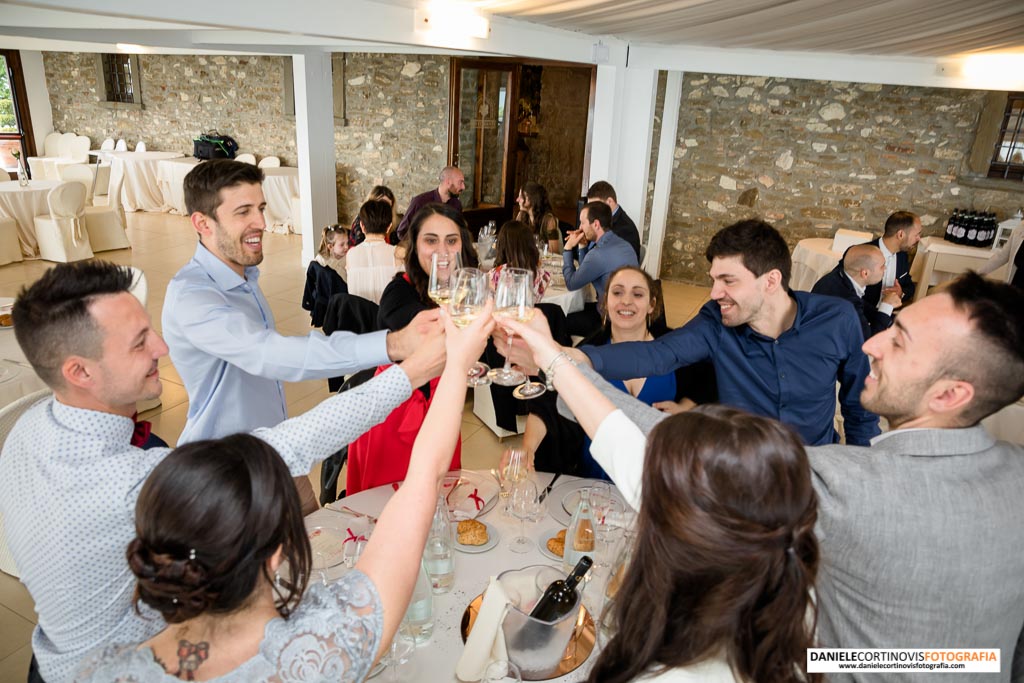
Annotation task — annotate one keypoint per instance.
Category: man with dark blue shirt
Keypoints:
(776, 352)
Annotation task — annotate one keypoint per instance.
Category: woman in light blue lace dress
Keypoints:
(216, 520)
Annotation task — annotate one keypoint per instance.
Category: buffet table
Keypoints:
(472, 572)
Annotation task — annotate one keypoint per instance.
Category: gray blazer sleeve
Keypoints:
(641, 414)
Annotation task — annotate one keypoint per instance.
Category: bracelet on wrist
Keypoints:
(549, 374)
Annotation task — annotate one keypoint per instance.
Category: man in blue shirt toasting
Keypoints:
(776, 352)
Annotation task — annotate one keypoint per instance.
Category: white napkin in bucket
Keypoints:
(486, 642)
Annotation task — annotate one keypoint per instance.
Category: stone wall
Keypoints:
(397, 113)
(557, 153)
(815, 156)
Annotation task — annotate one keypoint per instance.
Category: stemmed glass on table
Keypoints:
(400, 651)
(467, 298)
(523, 506)
(513, 300)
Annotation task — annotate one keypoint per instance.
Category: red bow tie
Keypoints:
(141, 434)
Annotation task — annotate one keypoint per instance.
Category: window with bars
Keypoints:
(119, 74)
(1008, 156)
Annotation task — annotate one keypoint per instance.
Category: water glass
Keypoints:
(522, 506)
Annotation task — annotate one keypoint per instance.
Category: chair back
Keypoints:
(67, 204)
(247, 158)
(64, 145)
(80, 148)
(121, 146)
(78, 173)
(139, 288)
(140, 146)
(270, 162)
(107, 144)
(116, 184)
(51, 144)
(844, 239)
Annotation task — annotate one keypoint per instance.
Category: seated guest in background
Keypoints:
(381, 456)
(719, 586)
(382, 193)
(333, 249)
(214, 523)
(1011, 255)
(451, 183)
(633, 312)
(69, 475)
(902, 233)
(371, 264)
(861, 266)
(920, 534)
(535, 211)
(220, 327)
(325, 275)
(607, 254)
(776, 352)
(622, 224)
(516, 247)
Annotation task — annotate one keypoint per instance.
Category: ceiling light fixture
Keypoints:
(449, 20)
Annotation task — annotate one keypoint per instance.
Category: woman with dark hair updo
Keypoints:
(719, 585)
(535, 211)
(215, 522)
(357, 233)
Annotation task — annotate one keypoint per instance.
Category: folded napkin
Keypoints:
(468, 499)
(486, 642)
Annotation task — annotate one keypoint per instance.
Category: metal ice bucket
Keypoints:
(535, 646)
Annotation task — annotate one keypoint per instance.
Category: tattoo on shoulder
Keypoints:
(190, 657)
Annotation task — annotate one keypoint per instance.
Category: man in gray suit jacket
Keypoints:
(922, 535)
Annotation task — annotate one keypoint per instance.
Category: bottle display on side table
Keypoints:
(560, 595)
(439, 553)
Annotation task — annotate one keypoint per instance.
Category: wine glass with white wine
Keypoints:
(443, 267)
(467, 298)
(513, 300)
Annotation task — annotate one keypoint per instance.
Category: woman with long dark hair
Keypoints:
(719, 587)
(217, 520)
(535, 211)
(516, 247)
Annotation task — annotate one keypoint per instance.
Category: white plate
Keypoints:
(327, 546)
(564, 498)
(492, 540)
(542, 544)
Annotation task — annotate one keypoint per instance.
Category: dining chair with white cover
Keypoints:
(107, 145)
(51, 150)
(80, 148)
(65, 145)
(78, 173)
(51, 145)
(139, 287)
(140, 146)
(270, 162)
(106, 225)
(121, 146)
(10, 245)
(61, 234)
(247, 158)
(9, 416)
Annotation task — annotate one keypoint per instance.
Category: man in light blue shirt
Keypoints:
(608, 253)
(70, 476)
(220, 328)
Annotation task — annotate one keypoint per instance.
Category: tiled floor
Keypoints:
(161, 244)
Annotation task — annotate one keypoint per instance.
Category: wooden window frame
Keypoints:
(135, 73)
(21, 111)
(1009, 170)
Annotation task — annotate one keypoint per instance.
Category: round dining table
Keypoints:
(170, 178)
(141, 190)
(440, 654)
(279, 186)
(23, 204)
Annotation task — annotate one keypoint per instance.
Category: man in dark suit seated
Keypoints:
(902, 233)
(861, 266)
(622, 225)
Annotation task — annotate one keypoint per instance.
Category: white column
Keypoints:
(663, 172)
(39, 108)
(314, 132)
(621, 145)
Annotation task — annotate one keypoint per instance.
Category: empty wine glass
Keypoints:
(443, 267)
(513, 300)
(522, 506)
(400, 651)
(467, 298)
(501, 671)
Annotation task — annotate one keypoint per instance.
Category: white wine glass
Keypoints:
(467, 298)
(513, 300)
(402, 647)
(522, 506)
(443, 267)
(501, 671)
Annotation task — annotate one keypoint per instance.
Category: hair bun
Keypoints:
(176, 587)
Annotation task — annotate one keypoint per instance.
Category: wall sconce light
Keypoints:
(451, 20)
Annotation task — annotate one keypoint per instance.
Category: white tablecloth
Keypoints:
(472, 572)
(170, 177)
(812, 258)
(17, 378)
(571, 302)
(279, 186)
(928, 270)
(23, 204)
(141, 191)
